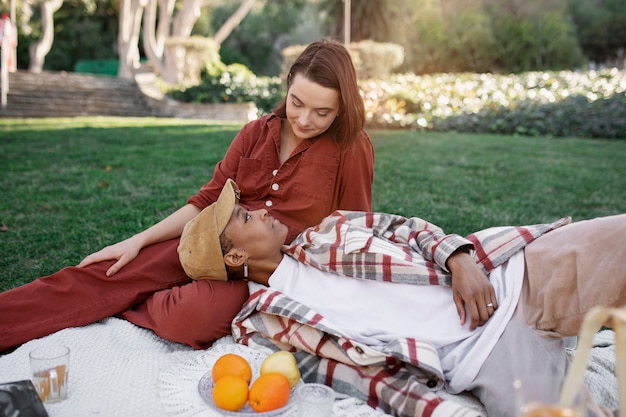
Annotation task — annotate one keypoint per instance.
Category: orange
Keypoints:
(269, 392)
(231, 364)
(230, 393)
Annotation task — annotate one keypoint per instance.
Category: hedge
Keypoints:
(559, 103)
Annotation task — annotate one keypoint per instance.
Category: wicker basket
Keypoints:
(594, 320)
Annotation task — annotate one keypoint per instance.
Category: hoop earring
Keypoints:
(245, 270)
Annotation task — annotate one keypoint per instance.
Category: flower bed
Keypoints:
(565, 103)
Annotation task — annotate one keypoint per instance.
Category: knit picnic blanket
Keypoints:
(120, 370)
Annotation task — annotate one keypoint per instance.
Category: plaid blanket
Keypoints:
(402, 377)
(340, 244)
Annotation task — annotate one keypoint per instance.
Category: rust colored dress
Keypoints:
(153, 291)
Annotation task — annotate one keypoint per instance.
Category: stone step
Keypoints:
(62, 94)
(65, 94)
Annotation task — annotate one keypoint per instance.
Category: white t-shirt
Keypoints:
(375, 313)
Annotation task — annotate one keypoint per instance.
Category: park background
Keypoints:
(552, 67)
(482, 112)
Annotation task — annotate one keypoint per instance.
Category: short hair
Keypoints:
(226, 244)
(328, 63)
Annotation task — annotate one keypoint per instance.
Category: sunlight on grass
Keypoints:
(61, 123)
(71, 186)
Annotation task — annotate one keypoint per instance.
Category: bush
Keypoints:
(375, 59)
(574, 116)
(559, 103)
(370, 59)
(564, 103)
(233, 83)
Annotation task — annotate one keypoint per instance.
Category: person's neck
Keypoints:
(261, 271)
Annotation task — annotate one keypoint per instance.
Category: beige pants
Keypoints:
(568, 271)
(571, 270)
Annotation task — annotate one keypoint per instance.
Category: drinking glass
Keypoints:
(315, 400)
(50, 368)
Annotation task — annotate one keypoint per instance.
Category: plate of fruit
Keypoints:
(235, 387)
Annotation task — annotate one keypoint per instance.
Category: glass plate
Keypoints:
(205, 387)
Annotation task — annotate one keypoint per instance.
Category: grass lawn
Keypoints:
(71, 186)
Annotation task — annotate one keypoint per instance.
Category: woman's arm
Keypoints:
(126, 250)
(357, 176)
(470, 285)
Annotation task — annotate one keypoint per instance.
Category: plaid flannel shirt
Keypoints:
(400, 378)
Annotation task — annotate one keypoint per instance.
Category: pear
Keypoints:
(284, 363)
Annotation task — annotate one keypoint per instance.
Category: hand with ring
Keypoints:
(472, 292)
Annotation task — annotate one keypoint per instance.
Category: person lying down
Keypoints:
(391, 309)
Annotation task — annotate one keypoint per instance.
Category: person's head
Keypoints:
(225, 237)
(326, 64)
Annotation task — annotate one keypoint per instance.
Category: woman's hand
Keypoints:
(124, 251)
(471, 288)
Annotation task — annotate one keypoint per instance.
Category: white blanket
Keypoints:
(121, 370)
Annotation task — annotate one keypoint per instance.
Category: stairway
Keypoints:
(68, 94)
(63, 94)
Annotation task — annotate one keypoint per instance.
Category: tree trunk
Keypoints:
(154, 35)
(186, 18)
(39, 49)
(233, 21)
(174, 57)
(128, 36)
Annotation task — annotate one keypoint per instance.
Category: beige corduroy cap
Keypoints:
(199, 250)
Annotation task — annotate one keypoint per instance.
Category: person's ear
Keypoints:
(235, 258)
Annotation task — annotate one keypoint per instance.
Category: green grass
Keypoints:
(71, 186)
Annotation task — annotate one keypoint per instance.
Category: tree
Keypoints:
(166, 37)
(533, 36)
(163, 26)
(233, 21)
(156, 30)
(266, 31)
(369, 19)
(40, 48)
(130, 15)
(601, 27)
(485, 35)
(428, 51)
(470, 40)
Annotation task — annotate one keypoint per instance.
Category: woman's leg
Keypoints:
(520, 353)
(78, 296)
(571, 270)
(568, 271)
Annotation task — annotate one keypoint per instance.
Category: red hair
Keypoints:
(328, 63)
